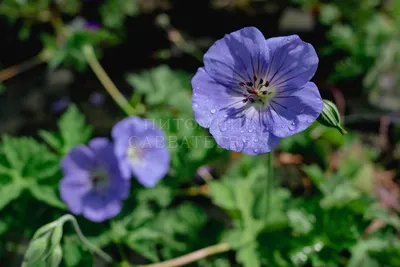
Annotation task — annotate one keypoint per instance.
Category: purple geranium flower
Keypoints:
(251, 91)
(140, 148)
(93, 185)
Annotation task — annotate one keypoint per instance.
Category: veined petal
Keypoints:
(78, 159)
(294, 111)
(242, 130)
(293, 62)
(237, 57)
(73, 188)
(98, 208)
(152, 167)
(209, 97)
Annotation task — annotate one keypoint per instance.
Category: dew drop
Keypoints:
(244, 139)
(250, 130)
(255, 150)
(222, 128)
(212, 111)
(233, 146)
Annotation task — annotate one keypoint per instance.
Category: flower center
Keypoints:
(257, 91)
(134, 154)
(100, 178)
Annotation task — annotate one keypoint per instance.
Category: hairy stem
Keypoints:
(192, 257)
(270, 175)
(106, 81)
(84, 240)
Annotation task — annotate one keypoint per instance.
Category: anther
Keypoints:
(251, 99)
(242, 84)
(245, 100)
(266, 84)
(255, 77)
(249, 84)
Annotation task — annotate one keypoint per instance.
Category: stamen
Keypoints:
(266, 84)
(245, 100)
(251, 99)
(264, 92)
(255, 77)
(249, 84)
(250, 91)
(242, 84)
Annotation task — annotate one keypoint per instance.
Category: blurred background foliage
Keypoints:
(336, 198)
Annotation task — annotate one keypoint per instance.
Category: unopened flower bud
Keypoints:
(55, 257)
(36, 250)
(57, 234)
(330, 116)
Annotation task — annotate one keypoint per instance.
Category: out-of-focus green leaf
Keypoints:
(9, 192)
(248, 256)
(161, 195)
(47, 194)
(22, 157)
(73, 129)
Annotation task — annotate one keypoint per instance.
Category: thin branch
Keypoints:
(192, 257)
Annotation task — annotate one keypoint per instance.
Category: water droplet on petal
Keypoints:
(244, 139)
(212, 111)
(233, 146)
(222, 128)
(250, 130)
(255, 150)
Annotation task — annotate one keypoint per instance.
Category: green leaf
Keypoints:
(161, 195)
(9, 192)
(222, 195)
(159, 84)
(359, 253)
(113, 12)
(73, 128)
(51, 139)
(3, 227)
(22, 157)
(73, 255)
(301, 221)
(47, 194)
(248, 256)
(72, 252)
(340, 196)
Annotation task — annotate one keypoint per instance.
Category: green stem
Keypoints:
(84, 240)
(192, 257)
(270, 177)
(106, 81)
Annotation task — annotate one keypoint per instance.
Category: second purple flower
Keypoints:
(141, 149)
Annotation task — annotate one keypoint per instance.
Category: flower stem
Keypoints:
(192, 257)
(84, 240)
(270, 175)
(14, 70)
(106, 81)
